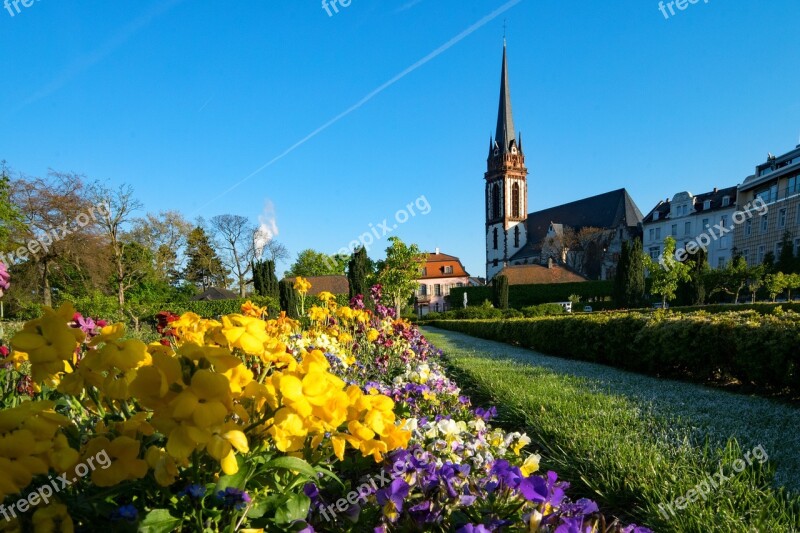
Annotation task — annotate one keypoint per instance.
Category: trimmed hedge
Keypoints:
(520, 296)
(760, 350)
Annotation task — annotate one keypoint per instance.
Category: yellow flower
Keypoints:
(252, 310)
(530, 465)
(246, 333)
(373, 334)
(302, 285)
(125, 462)
(164, 467)
(326, 297)
(52, 518)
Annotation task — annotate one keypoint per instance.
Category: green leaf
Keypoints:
(159, 521)
(295, 508)
(237, 480)
(292, 463)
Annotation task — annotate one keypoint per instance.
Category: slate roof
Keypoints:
(664, 208)
(331, 284)
(505, 120)
(604, 211)
(215, 293)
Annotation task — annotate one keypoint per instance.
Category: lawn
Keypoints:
(635, 443)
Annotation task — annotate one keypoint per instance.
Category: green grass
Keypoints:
(632, 442)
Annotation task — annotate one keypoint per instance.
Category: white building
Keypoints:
(686, 217)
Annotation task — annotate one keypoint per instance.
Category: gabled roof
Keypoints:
(605, 211)
(538, 275)
(215, 293)
(331, 284)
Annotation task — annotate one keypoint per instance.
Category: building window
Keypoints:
(721, 263)
(687, 228)
(495, 201)
(724, 221)
(459, 284)
(796, 246)
(515, 200)
(655, 251)
(764, 224)
(748, 227)
(494, 263)
(652, 234)
(762, 251)
(782, 218)
(674, 231)
(424, 271)
(516, 236)
(777, 252)
(655, 215)
(423, 290)
(437, 290)
(494, 238)
(746, 256)
(705, 224)
(726, 201)
(448, 270)
(707, 205)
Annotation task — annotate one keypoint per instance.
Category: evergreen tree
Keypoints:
(288, 298)
(501, 292)
(204, 267)
(694, 290)
(787, 262)
(265, 282)
(359, 269)
(629, 282)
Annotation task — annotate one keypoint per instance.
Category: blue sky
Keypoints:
(184, 99)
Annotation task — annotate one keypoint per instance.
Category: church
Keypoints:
(580, 240)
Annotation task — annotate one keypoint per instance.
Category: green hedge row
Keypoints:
(756, 349)
(520, 296)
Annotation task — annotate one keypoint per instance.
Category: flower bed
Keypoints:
(341, 421)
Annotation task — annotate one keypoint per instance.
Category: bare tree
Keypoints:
(117, 210)
(237, 238)
(276, 251)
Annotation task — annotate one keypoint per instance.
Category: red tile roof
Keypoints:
(436, 263)
(538, 275)
(331, 284)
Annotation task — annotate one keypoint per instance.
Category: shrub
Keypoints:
(542, 310)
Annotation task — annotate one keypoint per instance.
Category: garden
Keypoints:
(343, 419)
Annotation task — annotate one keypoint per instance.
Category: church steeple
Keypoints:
(505, 135)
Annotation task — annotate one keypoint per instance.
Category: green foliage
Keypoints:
(288, 298)
(693, 291)
(11, 220)
(629, 282)
(543, 310)
(731, 280)
(311, 263)
(398, 274)
(265, 281)
(787, 262)
(693, 346)
(359, 270)
(667, 275)
(204, 267)
(500, 285)
(520, 296)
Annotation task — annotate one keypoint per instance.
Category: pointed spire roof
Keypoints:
(505, 119)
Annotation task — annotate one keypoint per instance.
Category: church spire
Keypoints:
(505, 120)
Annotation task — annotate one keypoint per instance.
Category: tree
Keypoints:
(165, 235)
(288, 297)
(265, 282)
(311, 263)
(787, 263)
(11, 220)
(359, 269)
(694, 290)
(666, 276)
(792, 283)
(399, 272)
(275, 251)
(769, 261)
(629, 281)
(500, 286)
(204, 268)
(755, 279)
(730, 280)
(119, 208)
(238, 243)
(775, 284)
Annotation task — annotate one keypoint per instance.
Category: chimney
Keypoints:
(437, 251)
(715, 190)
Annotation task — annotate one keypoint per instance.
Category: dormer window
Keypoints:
(655, 215)
(707, 205)
(726, 201)
(448, 270)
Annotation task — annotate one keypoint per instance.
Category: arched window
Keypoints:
(495, 238)
(515, 200)
(516, 236)
(495, 201)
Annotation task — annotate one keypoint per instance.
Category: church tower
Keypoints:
(506, 186)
